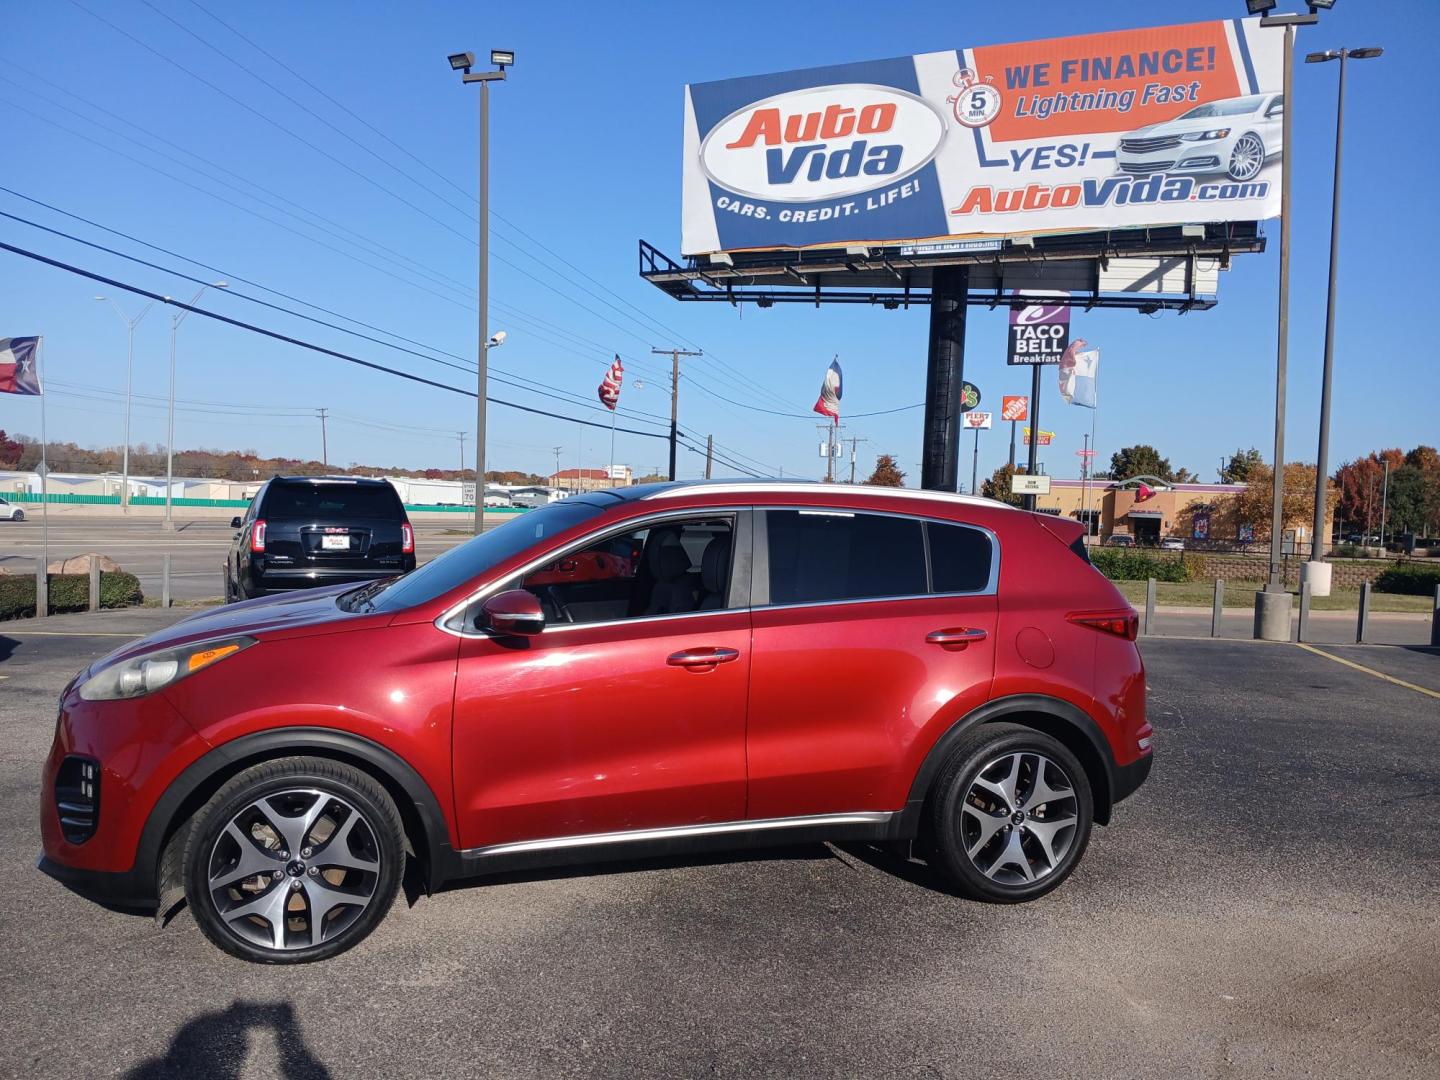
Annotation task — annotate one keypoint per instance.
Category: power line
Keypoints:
(241, 324)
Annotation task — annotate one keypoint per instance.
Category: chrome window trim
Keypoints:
(644, 521)
(762, 539)
(680, 832)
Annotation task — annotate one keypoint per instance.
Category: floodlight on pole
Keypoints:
(1320, 577)
(130, 325)
(1259, 7)
(502, 58)
(483, 341)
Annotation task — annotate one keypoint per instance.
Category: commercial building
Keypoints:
(592, 479)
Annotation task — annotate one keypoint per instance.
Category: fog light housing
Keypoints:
(77, 798)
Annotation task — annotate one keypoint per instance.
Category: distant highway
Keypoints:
(197, 548)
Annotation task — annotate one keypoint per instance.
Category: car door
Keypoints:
(627, 712)
(870, 630)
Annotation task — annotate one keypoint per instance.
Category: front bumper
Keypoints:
(1195, 159)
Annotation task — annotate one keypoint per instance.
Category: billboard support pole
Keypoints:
(975, 465)
(944, 378)
(1030, 460)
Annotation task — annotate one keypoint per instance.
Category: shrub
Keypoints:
(1410, 579)
(68, 592)
(1122, 564)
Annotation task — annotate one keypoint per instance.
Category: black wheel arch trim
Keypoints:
(1074, 720)
(389, 767)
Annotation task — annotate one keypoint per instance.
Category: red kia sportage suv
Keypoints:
(661, 668)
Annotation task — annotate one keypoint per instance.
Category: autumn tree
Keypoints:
(1254, 505)
(1361, 486)
(9, 451)
(887, 473)
(999, 484)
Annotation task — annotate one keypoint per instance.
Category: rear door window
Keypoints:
(316, 501)
(825, 555)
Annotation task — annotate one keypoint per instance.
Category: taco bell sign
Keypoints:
(1039, 333)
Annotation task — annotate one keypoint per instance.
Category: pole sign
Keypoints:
(1155, 126)
(979, 420)
(1039, 334)
(1014, 408)
(1023, 484)
(1044, 438)
(969, 396)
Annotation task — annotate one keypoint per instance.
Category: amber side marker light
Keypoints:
(209, 656)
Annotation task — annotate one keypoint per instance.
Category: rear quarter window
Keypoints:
(960, 558)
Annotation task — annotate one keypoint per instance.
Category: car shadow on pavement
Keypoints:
(8, 645)
(905, 867)
(217, 1044)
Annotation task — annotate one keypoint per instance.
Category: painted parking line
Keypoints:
(1369, 671)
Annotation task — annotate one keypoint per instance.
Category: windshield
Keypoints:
(1229, 107)
(474, 557)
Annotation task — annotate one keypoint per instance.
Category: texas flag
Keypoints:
(18, 374)
(831, 390)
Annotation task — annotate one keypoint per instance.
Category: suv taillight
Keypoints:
(257, 535)
(1125, 624)
(407, 538)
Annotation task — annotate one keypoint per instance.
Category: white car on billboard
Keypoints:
(1233, 136)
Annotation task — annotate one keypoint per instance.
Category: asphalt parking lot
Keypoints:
(1264, 906)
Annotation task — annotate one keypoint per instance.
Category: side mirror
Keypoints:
(513, 612)
(235, 523)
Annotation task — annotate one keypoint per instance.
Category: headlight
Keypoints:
(1197, 136)
(148, 672)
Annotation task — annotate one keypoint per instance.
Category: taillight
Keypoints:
(1125, 624)
(407, 538)
(257, 535)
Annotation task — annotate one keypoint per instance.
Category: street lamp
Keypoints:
(1317, 571)
(463, 62)
(175, 321)
(130, 325)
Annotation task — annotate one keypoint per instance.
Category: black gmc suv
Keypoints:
(301, 531)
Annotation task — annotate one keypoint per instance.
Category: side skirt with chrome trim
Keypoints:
(675, 840)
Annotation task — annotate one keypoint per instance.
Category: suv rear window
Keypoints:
(330, 500)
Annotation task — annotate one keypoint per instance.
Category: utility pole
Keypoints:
(463, 62)
(829, 431)
(855, 440)
(675, 355)
(461, 436)
(555, 479)
(323, 414)
(709, 454)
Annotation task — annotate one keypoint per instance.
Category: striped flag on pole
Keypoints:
(18, 373)
(831, 390)
(609, 389)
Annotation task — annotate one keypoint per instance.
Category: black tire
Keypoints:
(19, 515)
(963, 814)
(338, 791)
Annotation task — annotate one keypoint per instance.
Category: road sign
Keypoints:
(467, 493)
(1014, 407)
(969, 396)
(979, 420)
(1022, 484)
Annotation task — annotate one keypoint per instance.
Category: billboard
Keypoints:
(1159, 126)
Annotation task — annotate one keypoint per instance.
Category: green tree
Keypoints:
(1407, 504)
(998, 486)
(887, 473)
(1140, 460)
(1238, 469)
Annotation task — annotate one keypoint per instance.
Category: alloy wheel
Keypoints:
(294, 869)
(1248, 157)
(1018, 818)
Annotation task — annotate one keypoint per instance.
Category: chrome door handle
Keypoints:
(708, 657)
(956, 636)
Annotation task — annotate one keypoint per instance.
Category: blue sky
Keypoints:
(585, 160)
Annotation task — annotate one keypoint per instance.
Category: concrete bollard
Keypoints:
(165, 583)
(94, 584)
(1302, 629)
(1272, 615)
(1362, 624)
(1217, 611)
(42, 590)
(1148, 629)
(1435, 621)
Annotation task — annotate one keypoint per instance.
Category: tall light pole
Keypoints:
(1317, 571)
(175, 321)
(1272, 606)
(130, 325)
(463, 62)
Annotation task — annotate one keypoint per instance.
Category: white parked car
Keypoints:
(10, 511)
(1234, 137)
(1172, 543)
